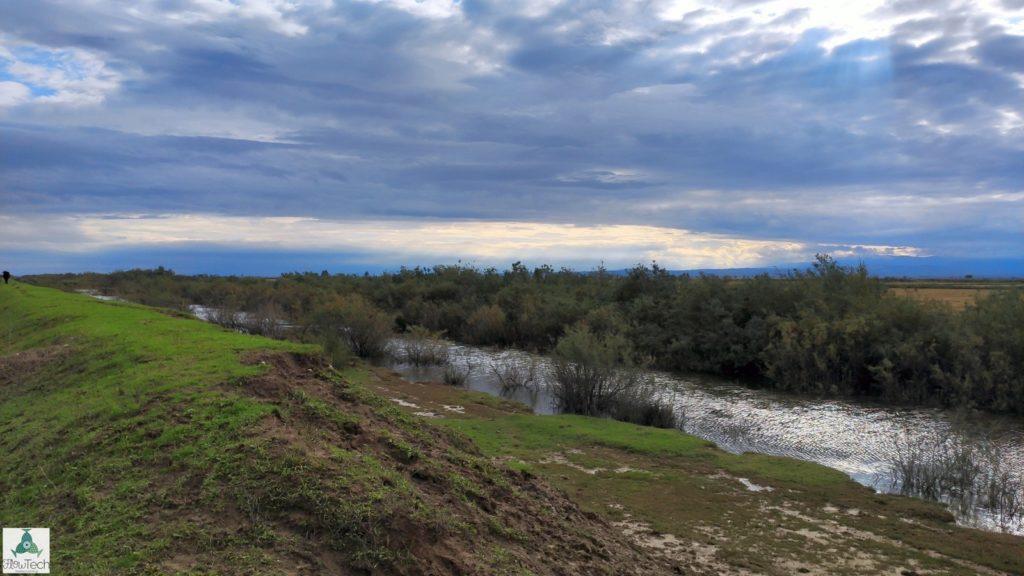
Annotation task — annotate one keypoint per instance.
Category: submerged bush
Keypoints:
(457, 375)
(228, 316)
(514, 375)
(268, 320)
(966, 474)
(487, 325)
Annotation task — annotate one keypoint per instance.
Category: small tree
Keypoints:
(590, 372)
(354, 319)
(487, 325)
(423, 347)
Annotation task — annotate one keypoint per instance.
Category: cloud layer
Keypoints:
(897, 125)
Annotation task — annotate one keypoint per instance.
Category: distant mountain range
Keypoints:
(219, 260)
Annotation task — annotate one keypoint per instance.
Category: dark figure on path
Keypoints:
(7, 276)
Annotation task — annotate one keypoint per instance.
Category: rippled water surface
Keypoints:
(852, 436)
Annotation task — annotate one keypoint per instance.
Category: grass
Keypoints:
(682, 485)
(147, 445)
(114, 401)
(956, 298)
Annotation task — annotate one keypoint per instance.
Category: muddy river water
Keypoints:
(858, 438)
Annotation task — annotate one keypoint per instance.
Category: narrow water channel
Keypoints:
(855, 437)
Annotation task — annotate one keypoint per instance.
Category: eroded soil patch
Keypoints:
(350, 482)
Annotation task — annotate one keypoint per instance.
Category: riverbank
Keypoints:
(711, 511)
(856, 436)
(828, 331)
(860, 438)
(152, 443)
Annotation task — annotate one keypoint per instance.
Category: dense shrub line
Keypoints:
(828, 330)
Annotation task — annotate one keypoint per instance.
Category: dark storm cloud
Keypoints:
(722, 121)
(1004, 51)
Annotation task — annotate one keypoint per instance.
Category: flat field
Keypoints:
(956, 294)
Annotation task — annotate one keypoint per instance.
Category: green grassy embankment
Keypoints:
(150, 443)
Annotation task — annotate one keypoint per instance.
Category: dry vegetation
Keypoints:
(957, 295)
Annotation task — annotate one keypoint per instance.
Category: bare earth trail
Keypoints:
(710, 513)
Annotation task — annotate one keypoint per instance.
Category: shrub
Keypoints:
(487, 325)
(227, 316)
(640, 405)
(588, 376)
(366, 329)
(422, 347)
(338, 351)
(457, 375)
(267, 320)
(514, 375)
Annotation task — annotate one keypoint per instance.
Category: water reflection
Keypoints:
(479, 364)
(851, 436)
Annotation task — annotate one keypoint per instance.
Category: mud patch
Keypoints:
(696, 556)
(754, 487)
(562, 460)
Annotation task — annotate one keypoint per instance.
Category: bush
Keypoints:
(227, 316)
(961, 470)
(267, 320)
(421, 347)
(588, 376)
(366, 329)
(640, 405)
(457, 375)
(338, 351)
(487, 325)
(514, 375)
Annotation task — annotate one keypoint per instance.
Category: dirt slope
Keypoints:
(441, 507)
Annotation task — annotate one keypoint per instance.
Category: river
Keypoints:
(855, 437)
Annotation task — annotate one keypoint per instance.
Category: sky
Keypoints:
(265, 136)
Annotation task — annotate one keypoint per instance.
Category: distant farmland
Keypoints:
(956, 294)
